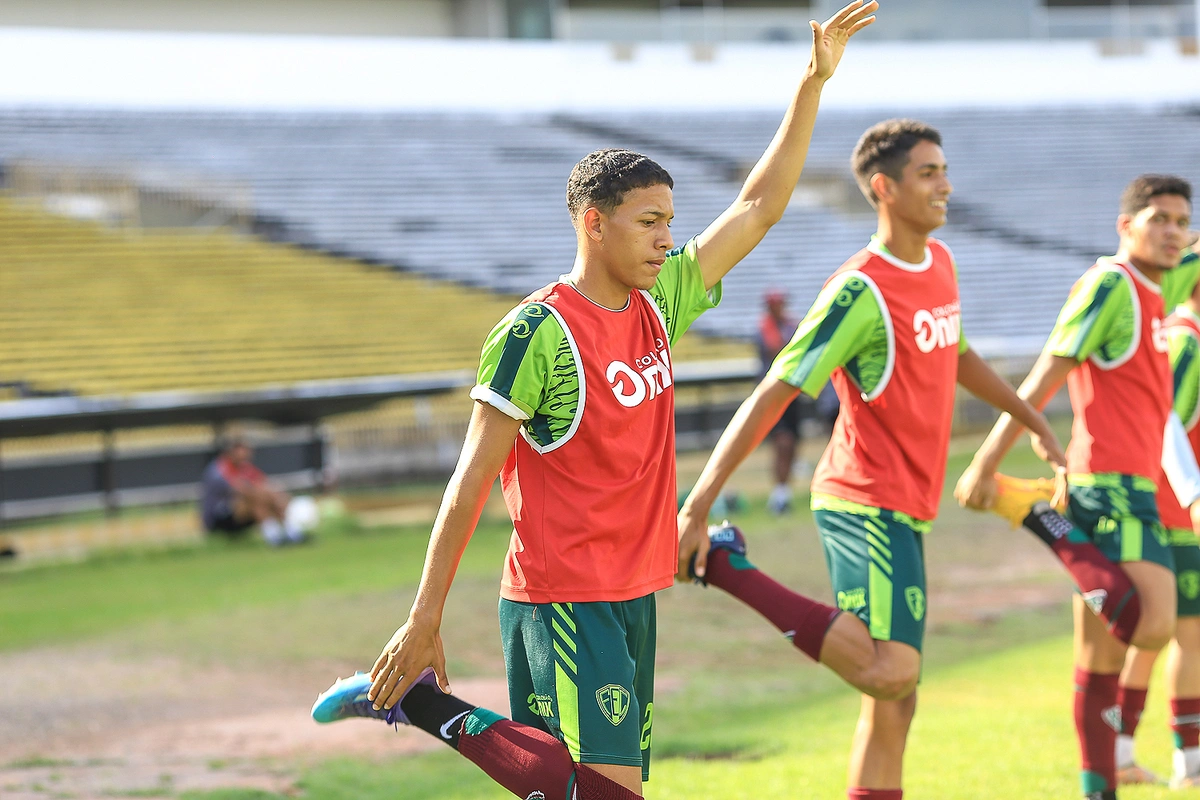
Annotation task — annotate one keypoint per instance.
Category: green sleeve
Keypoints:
(1097, 318)
(842, 322)
(1184, 351)
(1179, 283)
(518, 359)
(680, 293)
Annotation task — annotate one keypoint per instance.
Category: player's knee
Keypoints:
(1153, 634)
(894, 683)
(1154, 629)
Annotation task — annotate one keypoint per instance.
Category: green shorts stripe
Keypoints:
(876, 563)
(584, 672)
(1119, 514)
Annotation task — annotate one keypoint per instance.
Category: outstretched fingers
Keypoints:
(853, 17)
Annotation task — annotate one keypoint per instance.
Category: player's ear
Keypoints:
(882, 186)
(1124, 224)
(591, 221)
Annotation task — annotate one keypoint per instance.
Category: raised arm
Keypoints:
(767, 190)
(417, 644)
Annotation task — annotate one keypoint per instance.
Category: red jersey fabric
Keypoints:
(890, 451)
(594, 512)
(1170, 512)
(234, 474)
(1121, 408)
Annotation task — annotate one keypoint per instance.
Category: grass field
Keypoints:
(739, 713)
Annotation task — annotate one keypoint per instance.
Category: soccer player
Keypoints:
(1110, 347)
(887, 327)
(575, 412)
(1183, 653)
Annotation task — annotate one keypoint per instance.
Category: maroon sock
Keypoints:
(859, 793)
(530, 762)
(1185, 721)
(1132, 703)
(802, 620)
(1097, 718)
(1104, 585)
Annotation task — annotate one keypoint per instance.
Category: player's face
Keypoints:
(637, 236)
(921, 195)
(1156, 236)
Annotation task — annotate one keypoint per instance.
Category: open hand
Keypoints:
(829, 40)
(413, 647)
(693, 541)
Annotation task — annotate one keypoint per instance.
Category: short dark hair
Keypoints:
(602, 178)
(1137, 195)
(885, 148)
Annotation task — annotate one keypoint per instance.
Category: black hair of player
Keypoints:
(1137, 195)
(885, 148)
(603, 177)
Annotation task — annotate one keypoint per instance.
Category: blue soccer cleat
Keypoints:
(348, 698)
(725, 536)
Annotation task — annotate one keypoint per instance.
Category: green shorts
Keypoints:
(1185, 547)
(584, 672)
(1119, 514)
(876, 561)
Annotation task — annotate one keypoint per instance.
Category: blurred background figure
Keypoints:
(775, 330)
(236, 496)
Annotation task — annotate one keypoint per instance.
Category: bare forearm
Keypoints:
(753, 421)
(461, 507)
(769, 187)
(982, 381)
(1043, 381)
(489, 440)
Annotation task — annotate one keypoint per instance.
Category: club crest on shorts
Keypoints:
(1189, 584)
(916, 602)
(614, 702)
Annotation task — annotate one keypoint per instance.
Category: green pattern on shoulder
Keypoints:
(560, 401)
(1184, 350)
(1098, 318)
(844, 327)
(528, 371)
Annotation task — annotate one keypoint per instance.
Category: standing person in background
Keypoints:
(775, 330)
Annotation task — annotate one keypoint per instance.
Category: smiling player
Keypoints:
(887, 327)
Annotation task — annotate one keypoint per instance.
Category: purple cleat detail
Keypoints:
(348, 698)
(725, 536)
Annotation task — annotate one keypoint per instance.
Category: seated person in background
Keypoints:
(237, 496)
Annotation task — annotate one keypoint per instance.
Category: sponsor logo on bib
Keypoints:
(647, 378)
(937, 327)
(1158, 334)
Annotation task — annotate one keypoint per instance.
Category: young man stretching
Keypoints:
(887, 327)
(1110, 347)
(1183, 653)
(575, 412)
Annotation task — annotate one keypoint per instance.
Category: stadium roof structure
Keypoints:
(100, 69)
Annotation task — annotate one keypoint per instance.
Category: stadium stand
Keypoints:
(476, 198)
(88, 310)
